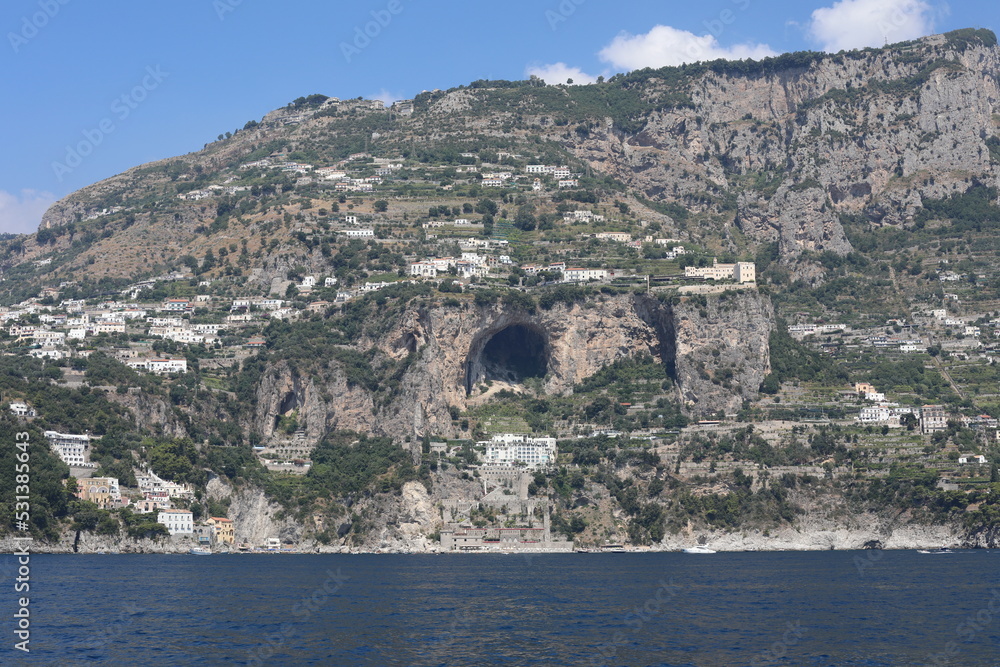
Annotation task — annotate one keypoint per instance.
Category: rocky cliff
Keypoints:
(715, 348)
(783, 153)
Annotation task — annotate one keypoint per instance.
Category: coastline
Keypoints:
(789, 539)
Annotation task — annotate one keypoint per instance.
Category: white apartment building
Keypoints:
(108, 327)
(208, 328)
(178, 522)
(577, 274)
(72, 449)
(162, 366)
(874, 415)
(46, 337)
(523, 449)
(359, 233)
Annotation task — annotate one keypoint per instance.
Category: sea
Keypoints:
(870, 608)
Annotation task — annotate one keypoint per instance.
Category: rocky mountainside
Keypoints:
(780, 150)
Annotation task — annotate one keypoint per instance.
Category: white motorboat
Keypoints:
(699, 550)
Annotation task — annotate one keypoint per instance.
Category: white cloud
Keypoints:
(560, 73)
(663, 46)
(21, 214)
(855, 24)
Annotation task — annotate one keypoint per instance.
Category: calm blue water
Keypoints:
(828, 608)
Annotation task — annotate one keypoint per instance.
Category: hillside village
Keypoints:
(598, 321)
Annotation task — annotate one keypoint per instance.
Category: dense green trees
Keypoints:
(792, 360)
(29, 467)
(346, 464)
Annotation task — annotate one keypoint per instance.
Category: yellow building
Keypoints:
(103, 491)
(223, 530)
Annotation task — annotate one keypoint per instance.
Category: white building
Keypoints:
(874, 415)
(21, 410)
(512, 448)
(108, 327)
(424, 269)
(617, 237)
(49, 353)
(72, 449)
(359, 233)
(468, 269)
(46, 337)
(153, 486)
(208, 328)
(176, 305)
(163, 366)
(178, 522)
(740, 272)
(577, 274)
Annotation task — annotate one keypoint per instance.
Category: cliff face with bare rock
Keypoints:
(714, 347)
(783, 153)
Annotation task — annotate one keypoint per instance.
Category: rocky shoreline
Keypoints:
(786, 539)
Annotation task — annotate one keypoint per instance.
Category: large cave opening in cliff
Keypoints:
(289, 403)
(513, 354)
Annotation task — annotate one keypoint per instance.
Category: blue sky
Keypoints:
(131, 82)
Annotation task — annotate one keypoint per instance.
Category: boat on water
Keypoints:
(939, 550)
(698, 550)
(200, 551)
